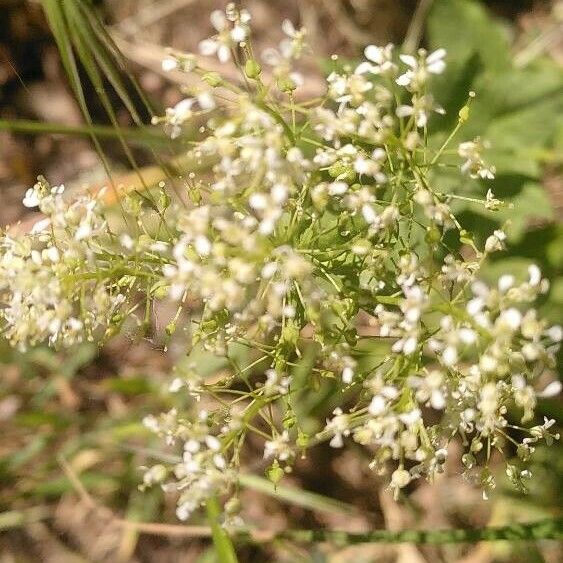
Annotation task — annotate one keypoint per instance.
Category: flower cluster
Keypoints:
(50, 287)
(315, 254)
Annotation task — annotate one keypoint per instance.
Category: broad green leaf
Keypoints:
(464, 27)
(19, 518)
(531, 203)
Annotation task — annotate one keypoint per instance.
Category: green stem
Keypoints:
(222, 542)
(543, 529)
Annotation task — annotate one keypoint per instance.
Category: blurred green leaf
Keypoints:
(465, 27)
(129, 386)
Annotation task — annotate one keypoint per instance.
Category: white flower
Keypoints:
(511, 318)
(227, 37)
(476, 167)
(279, 447)
(379, 60)
(495, 242)
(339, 426)
(419, 68)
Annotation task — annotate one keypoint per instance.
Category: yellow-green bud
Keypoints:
(463, 114)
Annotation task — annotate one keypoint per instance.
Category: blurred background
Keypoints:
(85, 405)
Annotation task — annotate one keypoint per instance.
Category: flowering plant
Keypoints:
(315, 255)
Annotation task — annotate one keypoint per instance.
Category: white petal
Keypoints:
(182, 109)
(208, 47)
(404, 111)
(169, 63)
(437, 55)
(206, 100)
(238, 34)
(437, 67)
(369, 214)
(271, 57)
(374, 54)
(505, 282)
(336, 441)
(535, 275)
(337, 188)
(288, 28)
(437, 399)
(218, 20)
(512, 318)
(31, 198)
(449, 356)
(365, 67)
(410, 345)
(552, 390)
(467, 335)
(202, 245)
(223, 53)
(347, 375)
(377, 405)
(409, 60)
(404, 79)
(555, 333)
(421, 119)
(40, 226)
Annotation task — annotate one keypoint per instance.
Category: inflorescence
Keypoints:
(314, 217)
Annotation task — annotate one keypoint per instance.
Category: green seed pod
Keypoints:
(289, 334)
(116, 318)
(302, 439)
(213, 79)
(342, 172)
(468, 460)
(233, 506)
(275, 473)
(163, 200)
(160, 290)
(433, 234)
(252, 69)
(289, 420)
(286, 84)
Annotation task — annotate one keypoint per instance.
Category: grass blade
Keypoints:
(132, 134)
(57, 20)
(295, 496)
